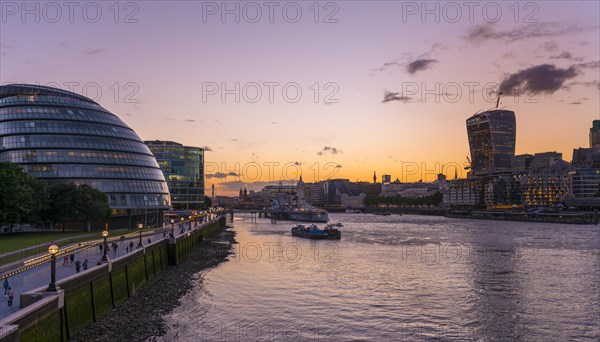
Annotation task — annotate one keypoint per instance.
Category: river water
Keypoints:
(400, 278)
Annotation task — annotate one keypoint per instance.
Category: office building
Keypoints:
(492, 137)
(183, 168)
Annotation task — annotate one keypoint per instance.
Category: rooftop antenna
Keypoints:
(498, 101)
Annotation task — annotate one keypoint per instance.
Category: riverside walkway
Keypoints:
(34, 272)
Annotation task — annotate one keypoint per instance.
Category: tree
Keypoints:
(207, 202)
(93, 205)
(70, 202)
(22, 196)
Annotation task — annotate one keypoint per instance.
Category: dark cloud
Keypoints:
(190, 120)
(544, 78)
(486, 32)
(94, 51)
(221, 175)
(575, 103)
(389, 97)
(274, 123)
(588, 65)
(420, 64)
(567, 55)
(234, 140)
(329, 149)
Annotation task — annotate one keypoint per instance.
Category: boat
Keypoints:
(313, 232)
(282, 208)
(352, 211)
(332, 225)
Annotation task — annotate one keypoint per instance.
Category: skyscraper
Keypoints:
(492, 138)
(595, 134)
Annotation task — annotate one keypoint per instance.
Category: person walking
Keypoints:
(11, 296)
(126, 249)
(65, 260)
(6, 285)
(77, 266)
(149, 241)
(72, 257)
(85, 264)
(131, 246)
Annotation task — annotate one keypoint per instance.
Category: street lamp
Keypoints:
(190, 227)
(140, 226)
(172, 228)
(105, 249)
(53, 250)
(181, 225)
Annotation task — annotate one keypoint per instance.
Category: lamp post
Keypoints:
(181, 225)
(53, 250)
(190, 227)
(140, 226)
(172, 228)
(105, 249)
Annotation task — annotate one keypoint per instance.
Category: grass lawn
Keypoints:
(17, 241)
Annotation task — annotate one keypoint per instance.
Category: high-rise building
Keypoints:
(60, 136)
(595, 134)
(183, 168)
(492, 138)
(386, 178)
(522, 162)
(545, 159)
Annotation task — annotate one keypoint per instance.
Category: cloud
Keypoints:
(389, 97)
(588, 65)
(575, 103)
(94, 51)
(329, 149)
(221, 175)
(549, 46)
(420, 64)
(544, 78)
(567, 55)
(169, 119)
(234, 139)
(189, 120)
(274, 123)
(486, 32)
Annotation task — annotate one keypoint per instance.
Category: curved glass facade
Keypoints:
(57, 135)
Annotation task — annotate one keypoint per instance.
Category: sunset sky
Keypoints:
(378, 66)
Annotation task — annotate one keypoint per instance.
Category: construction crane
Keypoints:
(470, 163)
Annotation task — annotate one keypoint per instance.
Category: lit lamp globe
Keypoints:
(53, 250)
(172, 221)
(104, 234)
(140, 226)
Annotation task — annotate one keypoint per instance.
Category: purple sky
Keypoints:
(169, 55)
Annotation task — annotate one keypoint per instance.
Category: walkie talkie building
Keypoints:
(58, 135)
(492, 138)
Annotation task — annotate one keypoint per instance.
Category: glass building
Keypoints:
(492, 138)
(183, 168)
(60, 136)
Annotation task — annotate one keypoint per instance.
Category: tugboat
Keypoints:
(313, 232)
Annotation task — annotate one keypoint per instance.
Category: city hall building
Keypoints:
(60, 136)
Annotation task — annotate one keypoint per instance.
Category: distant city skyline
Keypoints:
(369, 81)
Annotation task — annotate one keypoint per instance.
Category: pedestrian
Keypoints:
(115, 246)
(11, 296)
(149, 241)
(77, 266)
(72, 257)
(126, 249)
(6, 285)
(85, 264)
(65, 260)
(131, 246)
(100, 246)
(164, 235)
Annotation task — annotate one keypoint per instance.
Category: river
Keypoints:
(400, 278)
